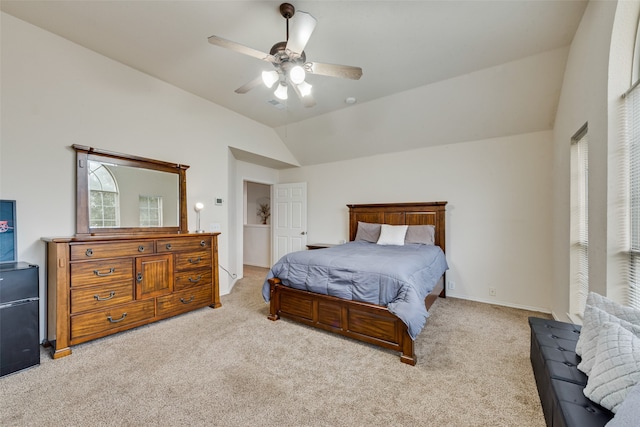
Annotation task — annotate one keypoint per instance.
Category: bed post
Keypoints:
(408, 355)
(274, 300)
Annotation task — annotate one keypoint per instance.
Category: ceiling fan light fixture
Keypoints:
(289, 60)
(281, 92)
(269, 78)
(297, 74)
(305, 88)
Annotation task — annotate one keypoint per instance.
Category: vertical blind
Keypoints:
(579, 258)
(632, 141)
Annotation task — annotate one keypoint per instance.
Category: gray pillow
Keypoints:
(368, 232)
(629, 412)
(424, 234)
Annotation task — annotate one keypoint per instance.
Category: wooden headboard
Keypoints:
(421, 213)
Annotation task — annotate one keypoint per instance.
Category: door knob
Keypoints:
(303, 233)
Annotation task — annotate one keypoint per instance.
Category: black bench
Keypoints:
(560, 383)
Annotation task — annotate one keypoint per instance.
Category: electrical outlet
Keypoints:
(492, 292)
(451, 285)
(215, 227)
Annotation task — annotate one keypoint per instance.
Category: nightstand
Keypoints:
(319, 245)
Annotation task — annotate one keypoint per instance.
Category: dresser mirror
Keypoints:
(123, 194)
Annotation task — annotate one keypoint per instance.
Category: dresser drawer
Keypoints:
(183, 301)
(101, 272)
(193, 278)
(100, 297)
(191, 260)
(183, 244)
(116, 317)
(88, 251)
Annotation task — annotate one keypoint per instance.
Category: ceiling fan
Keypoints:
(289, 60)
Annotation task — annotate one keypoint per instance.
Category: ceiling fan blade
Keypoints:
(228, 44)
(307, 101)
(248, 86)
(333, 70)
(302, 26)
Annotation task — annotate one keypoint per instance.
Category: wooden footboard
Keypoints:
(365, 322)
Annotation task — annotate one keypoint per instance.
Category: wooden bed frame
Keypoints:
(370, 323)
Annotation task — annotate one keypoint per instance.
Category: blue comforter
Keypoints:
(398, 277)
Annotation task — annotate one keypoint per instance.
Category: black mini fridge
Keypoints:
(19, 317)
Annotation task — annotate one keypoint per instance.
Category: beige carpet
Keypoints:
(233, 367)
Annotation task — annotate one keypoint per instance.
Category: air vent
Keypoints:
(279, 105)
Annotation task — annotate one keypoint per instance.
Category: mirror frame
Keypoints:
(84, 154)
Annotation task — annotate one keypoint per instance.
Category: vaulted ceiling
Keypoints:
(434, 72)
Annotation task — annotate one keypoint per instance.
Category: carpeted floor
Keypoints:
(233, 367)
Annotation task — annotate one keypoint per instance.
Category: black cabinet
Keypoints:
(19, 317)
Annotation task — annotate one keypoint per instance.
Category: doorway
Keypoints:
(257, 224)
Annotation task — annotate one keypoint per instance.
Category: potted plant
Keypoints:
(264, 212)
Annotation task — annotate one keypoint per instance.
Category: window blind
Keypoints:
(632, 141)
(579, 257)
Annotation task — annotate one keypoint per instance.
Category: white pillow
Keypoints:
(623, 312)
(392, 234)
(629, 314)
(617, 367)
(594, 318)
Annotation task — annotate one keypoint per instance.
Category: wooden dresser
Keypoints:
(101, 285)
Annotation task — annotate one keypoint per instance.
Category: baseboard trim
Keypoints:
(502, 303)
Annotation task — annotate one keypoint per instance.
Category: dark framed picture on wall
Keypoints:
(8, 236)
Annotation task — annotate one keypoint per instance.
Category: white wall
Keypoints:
(56, 93)
(498, 216)
(257, 245)
(256, 195)
(597, 73)
(257, 236)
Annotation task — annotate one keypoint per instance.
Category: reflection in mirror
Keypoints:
(122, 196)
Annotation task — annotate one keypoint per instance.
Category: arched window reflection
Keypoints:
(104, 203)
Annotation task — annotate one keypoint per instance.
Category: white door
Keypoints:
(289, 219)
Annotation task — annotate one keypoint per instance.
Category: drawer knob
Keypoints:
(89, 252)
(168, 246)
(112, 320)
(184, 301)
(111, 295)
(196, 280)
(203, 243)
(97, 272)
(139, 278)
(140, 248)
(195, 261)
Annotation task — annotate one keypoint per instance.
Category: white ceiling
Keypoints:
(400, 45)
